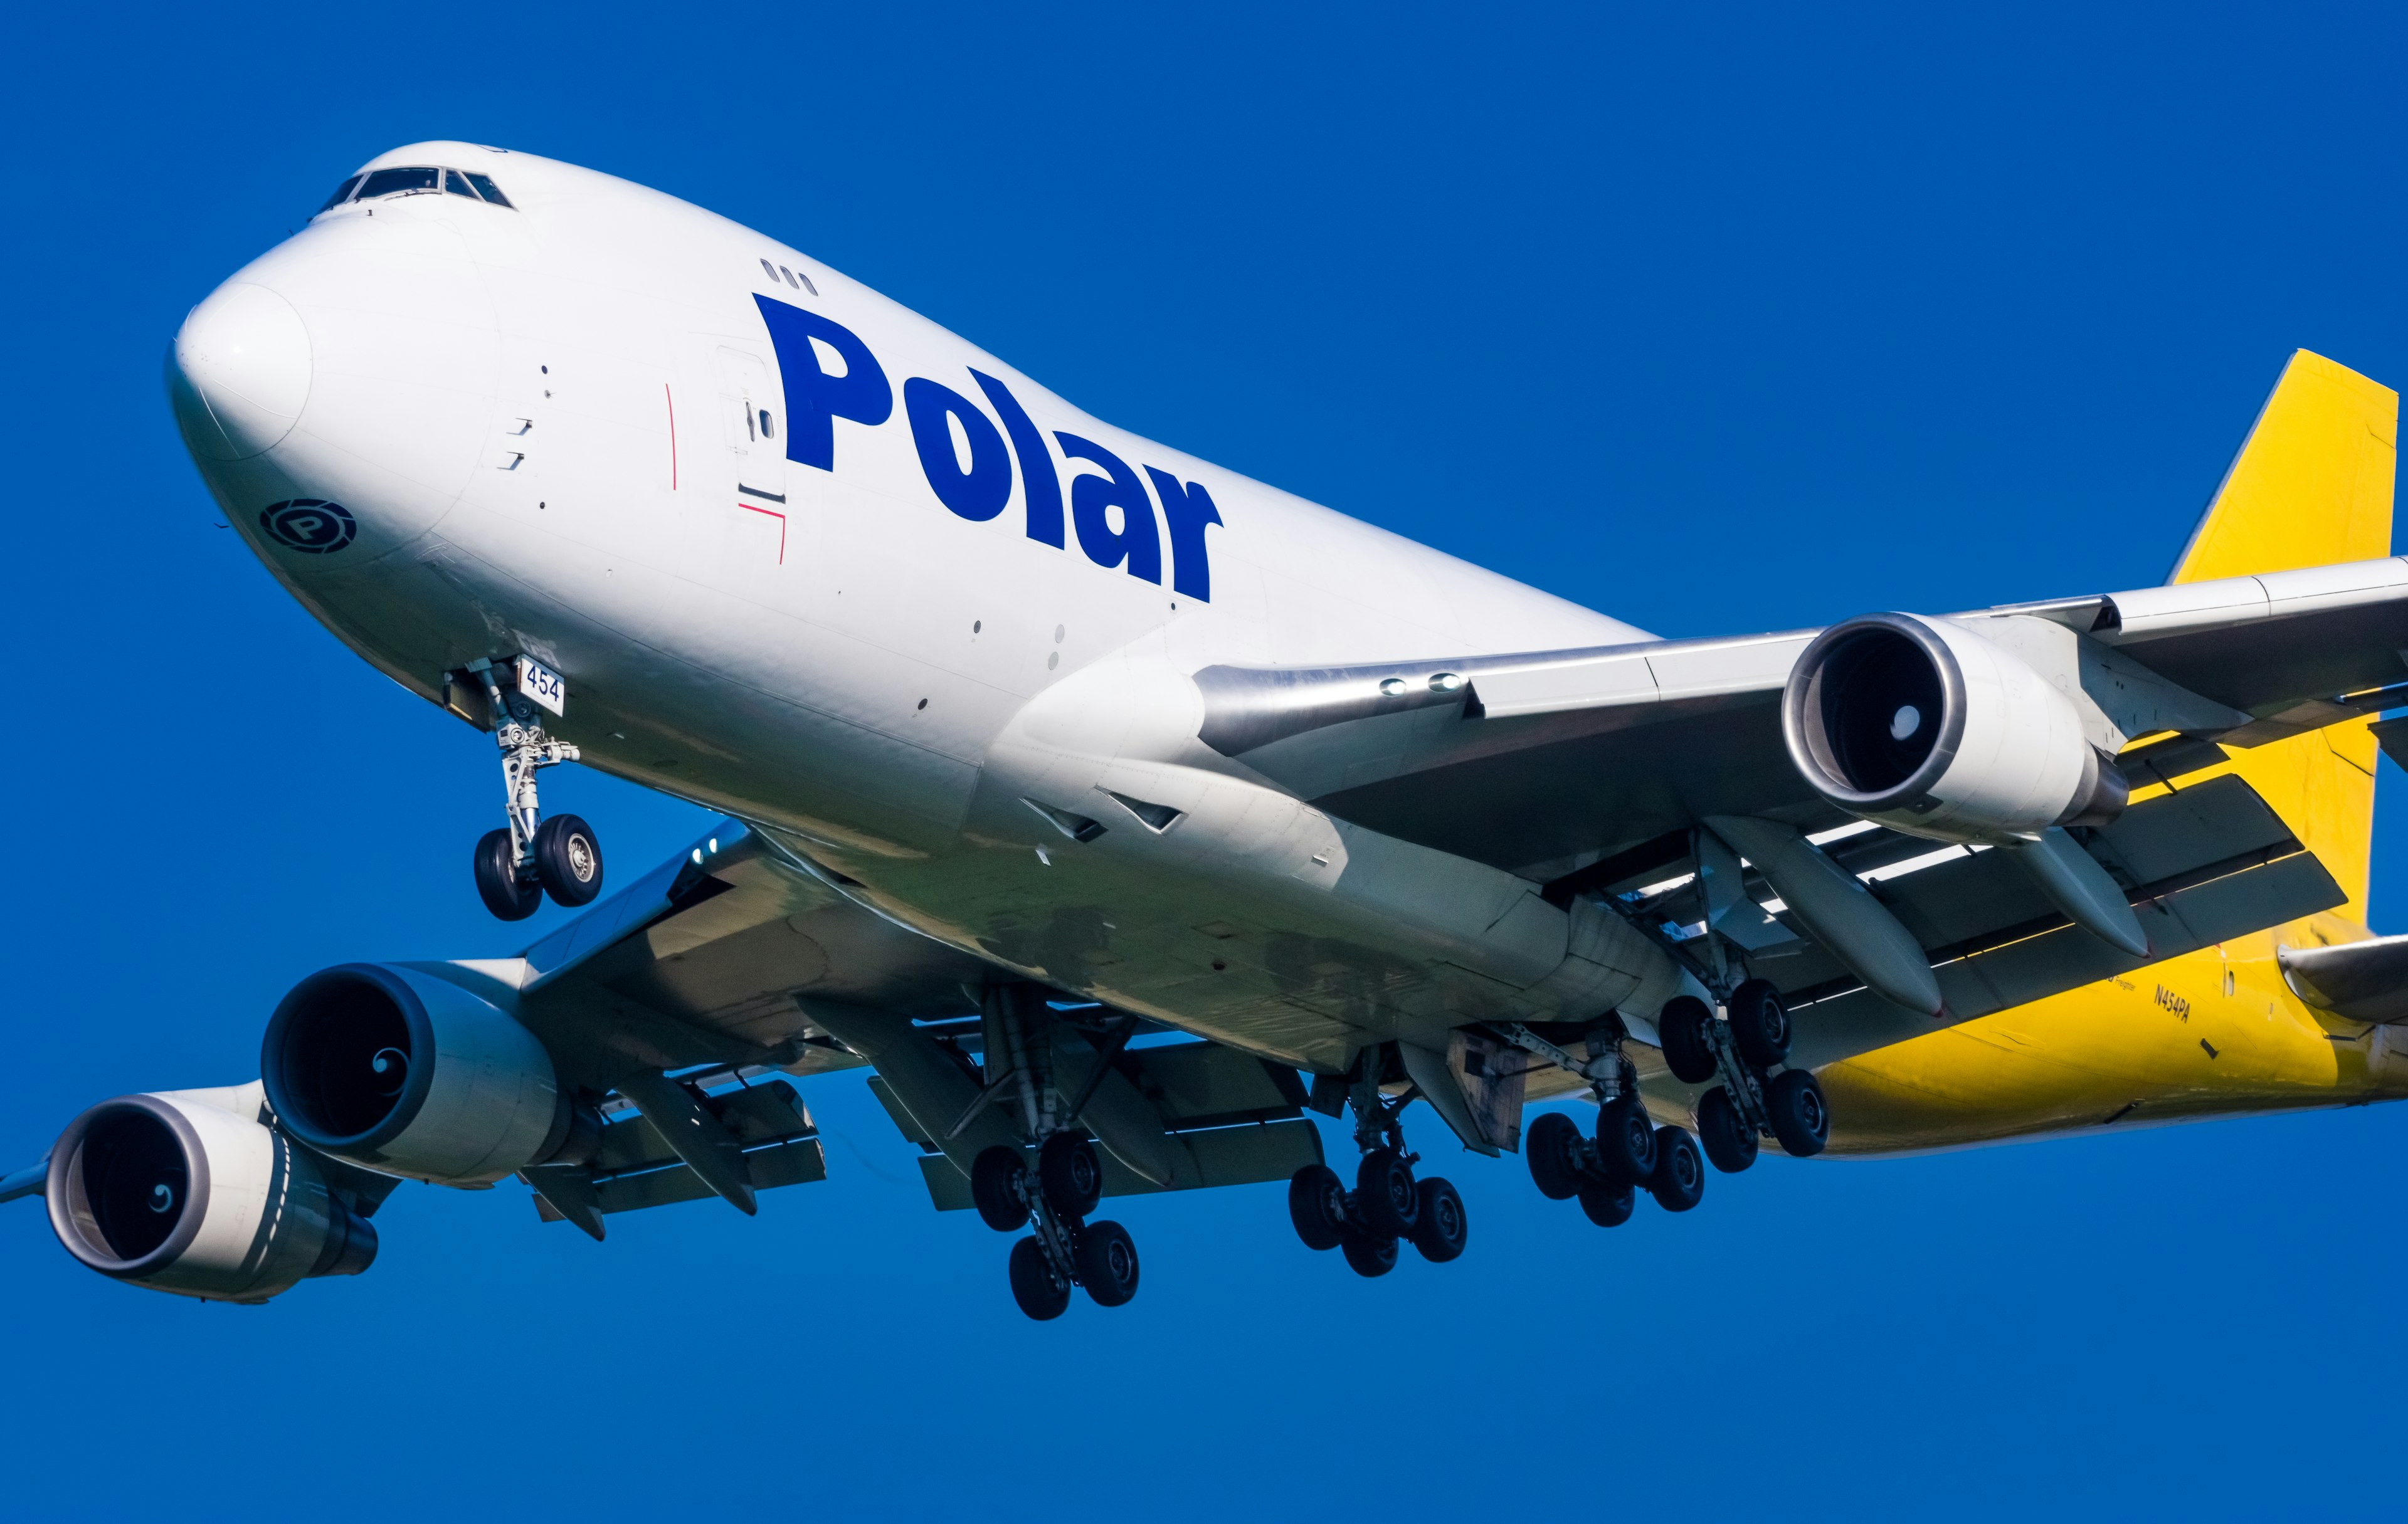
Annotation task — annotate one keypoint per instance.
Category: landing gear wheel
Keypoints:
(1760, 1024)
(1443, 1227)
(1042, 1294)
(1729, 1143)
(1802, 1118)
(1071, 1174)
(1369, 1257)
(568, 861)
(497, 879)
(1625, 1143)
(1384, 1193)
(995, 1176)
(1685, 1026)
(1107, 1263)
(1316, 1203)
(1608, 1206)
(1680, 1178)
(1552, 1147)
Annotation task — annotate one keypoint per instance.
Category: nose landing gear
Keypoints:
(1387, 1205)
(517, 864)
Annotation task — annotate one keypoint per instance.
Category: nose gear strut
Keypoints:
(518, 863)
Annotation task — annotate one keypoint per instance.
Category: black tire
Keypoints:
(1679, 1182)
(995, 1176)
(1071, 1174)
(568, 860)
(1386, 1195)
(1040, 1294)
(1369, 1256)
(1316, 1203)
(1106, 1258)
(1802, 1118)
(1444, 1227)
(1759, 1023)
(1625, 1143)
(497, 879)
(1687, 1027)
(1553, 1149)
(1729, 1143)
(1608, 1206)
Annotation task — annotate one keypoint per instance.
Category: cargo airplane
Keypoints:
(1116, 811)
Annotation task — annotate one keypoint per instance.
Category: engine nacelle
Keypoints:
(186, 1192)
(400, 1071)
(1927, 728)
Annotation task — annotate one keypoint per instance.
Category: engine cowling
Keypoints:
(1925, 727)
(183, 1192)
(397, 1070)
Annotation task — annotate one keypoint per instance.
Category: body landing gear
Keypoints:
(519, 864)
(1629, 1153)
(1388, 1206)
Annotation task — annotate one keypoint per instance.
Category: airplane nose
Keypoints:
(239, 373)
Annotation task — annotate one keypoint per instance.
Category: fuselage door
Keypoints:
(750, 411)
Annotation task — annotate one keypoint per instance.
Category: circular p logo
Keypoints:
(311, 525)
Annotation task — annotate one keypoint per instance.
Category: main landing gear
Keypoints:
(1743, 1050)
(517, 864)
(1387, 1205)
(1629, 1152)
(1063, 1249)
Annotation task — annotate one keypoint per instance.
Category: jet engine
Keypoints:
(184, 1192)
(1925, 727)
(401, 1071)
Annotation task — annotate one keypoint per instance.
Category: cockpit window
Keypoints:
(342, 194)
(453, 183)
(385, 182)
(485, 187)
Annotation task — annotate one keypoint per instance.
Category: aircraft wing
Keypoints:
(683, 998)
(1544, 764)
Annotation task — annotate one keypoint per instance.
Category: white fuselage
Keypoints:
(600, 427)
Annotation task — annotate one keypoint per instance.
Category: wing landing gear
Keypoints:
(1388, 1206)
(1063, 1250)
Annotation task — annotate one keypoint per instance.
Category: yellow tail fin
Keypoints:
(2311, 486)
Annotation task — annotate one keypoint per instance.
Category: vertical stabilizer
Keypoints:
(2311, 486)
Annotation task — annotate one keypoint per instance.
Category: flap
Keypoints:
(2200, 866)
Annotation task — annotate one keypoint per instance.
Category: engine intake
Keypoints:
(1927, 728)
(398, 1070)
(181, 1192)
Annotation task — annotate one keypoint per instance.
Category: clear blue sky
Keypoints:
(1736, 320)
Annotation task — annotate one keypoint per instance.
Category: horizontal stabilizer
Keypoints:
(2359, 981)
